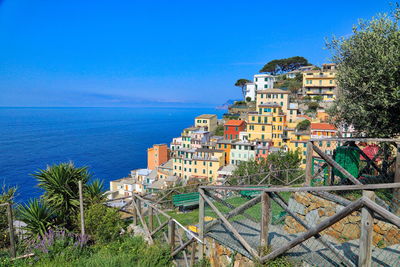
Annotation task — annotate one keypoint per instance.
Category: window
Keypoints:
(195, 170)
(253, 118)
(210, 164)
(320, 82)
(262, 137)
(330, 81)
(265, 85)
(204, 171)
(266, 79)
(263, 128)
(256, 79)
(226, 136)
(231, 136)
(226, 128)
(282, 104)
(210, 172)
(236, 129)
(281, 95)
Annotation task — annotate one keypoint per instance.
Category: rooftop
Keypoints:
(234, 123)
(208, 150)
(206, 116)
(323, 126)
(273, 91)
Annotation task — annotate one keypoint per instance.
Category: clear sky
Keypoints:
(127, 53)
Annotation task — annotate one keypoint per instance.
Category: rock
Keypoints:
(377, 239)
(312, 218)
(351, 231)
(296, 207)
(338, 226)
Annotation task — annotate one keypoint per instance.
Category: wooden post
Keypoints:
(81, 209)
(150, 218)
(265, 216)
(134, 212)
(171, 234)
(367, 224)
(309, 165)
(201, 224)
(139, 206)
(11, 230)
(396, 192)
(193, 254)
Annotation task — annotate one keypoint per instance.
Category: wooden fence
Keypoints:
(367, 205)
(154, 221)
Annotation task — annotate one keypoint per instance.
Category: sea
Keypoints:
(109, 141)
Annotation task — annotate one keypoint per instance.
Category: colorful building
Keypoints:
(232, 128)
(201, 163)
(157, 155)
(207, 121)
(242, 151)
(321, 82)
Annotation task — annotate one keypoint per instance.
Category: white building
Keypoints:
(242, 151)
(260, 82)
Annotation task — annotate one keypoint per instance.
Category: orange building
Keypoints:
(157, 155)
(323, 130)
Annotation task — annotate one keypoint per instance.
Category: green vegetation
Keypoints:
(304, 125)
(284, 65)
(242, 84)
(192, 217)
(126, 251)
(220, 130)
(248, 99)
(312, 107)
(102, 223)
(6, 195)
(293, 85)
(258, 169)
(368, 76)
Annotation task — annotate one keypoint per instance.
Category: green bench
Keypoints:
(186, 200)
(250, 193)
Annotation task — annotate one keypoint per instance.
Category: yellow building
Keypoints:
(207, 121)
(321, 83)
(267, 124)
(201, 163)
(277, 96)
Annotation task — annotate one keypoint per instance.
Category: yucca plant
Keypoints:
(38, 216)
(94, 193)
(60, 183)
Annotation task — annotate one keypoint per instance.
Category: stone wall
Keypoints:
(313, 210)
(221, 256)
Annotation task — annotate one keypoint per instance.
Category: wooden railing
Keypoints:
(369, 210)
(179, 238)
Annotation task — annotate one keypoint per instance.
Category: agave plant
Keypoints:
(60, 183)
(38, 216)
(94, 192)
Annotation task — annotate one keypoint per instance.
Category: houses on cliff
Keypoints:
(210, 149)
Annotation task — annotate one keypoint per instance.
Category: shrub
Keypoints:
(103, 224)
(303, 125)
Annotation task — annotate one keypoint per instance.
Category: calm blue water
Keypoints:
(111, 141)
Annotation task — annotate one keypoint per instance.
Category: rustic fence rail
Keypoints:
(252, 237)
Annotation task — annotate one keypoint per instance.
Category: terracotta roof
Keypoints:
(234, 123)
(322, 126)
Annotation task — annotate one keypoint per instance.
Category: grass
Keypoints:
(192, 217)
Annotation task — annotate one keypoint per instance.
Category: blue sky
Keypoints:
(127, 53)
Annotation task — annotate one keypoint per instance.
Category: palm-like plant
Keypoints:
(60, 183)
(39, 218)
(94, 193)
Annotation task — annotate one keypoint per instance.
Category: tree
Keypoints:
(248, 99)
(368, 77)
(303, 125)
(318, 98)
(284, 65)
(242, 84)
(312, 106)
